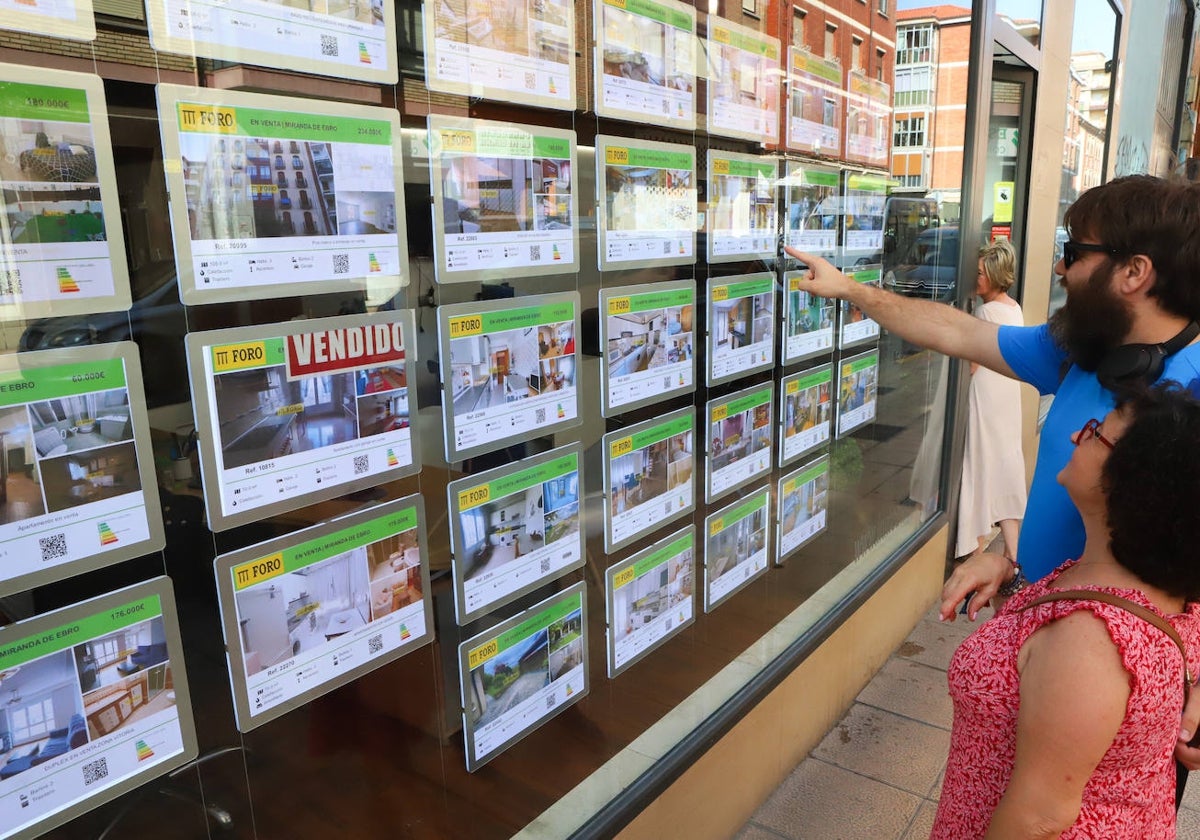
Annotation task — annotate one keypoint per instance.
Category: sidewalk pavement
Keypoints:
(877, 775)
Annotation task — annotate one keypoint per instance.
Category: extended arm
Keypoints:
(1074, 690)
(923, 322)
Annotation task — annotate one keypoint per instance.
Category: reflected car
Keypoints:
(156, 321)
(929, 269)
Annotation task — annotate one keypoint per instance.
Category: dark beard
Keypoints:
(1092, 321)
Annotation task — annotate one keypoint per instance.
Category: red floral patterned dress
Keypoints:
(1132, 792)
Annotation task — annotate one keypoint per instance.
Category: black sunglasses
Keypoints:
(1073, 250)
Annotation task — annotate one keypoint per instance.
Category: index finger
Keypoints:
(802, 256)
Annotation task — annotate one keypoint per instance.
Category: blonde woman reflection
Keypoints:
(993, 484)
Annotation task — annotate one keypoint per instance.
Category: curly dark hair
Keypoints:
(1152, 483)
(1141, 214)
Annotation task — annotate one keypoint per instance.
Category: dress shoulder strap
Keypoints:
(1141, 612)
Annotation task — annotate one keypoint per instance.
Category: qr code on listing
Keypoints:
(341, 263)
(53, 547)
(375, 643)
(362, 464)
(530, 81)
(329, 45)
(94, 771)
(539, 416)
(550, 701)
(545, 565)
(666, 247)
(10, 281)
(535, 252)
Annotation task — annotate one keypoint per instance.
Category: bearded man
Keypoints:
(1131, 270)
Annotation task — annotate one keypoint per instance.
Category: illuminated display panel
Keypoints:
(858, 391)
(502, 49)
(509, 371)
(815, 103)
(344, 38)
(813, 208)
(868, 120)
(805, 412)
(648, 344)
(807, 321)
(62, 249)
(98, 704)
(803, 506)
(649, 476)
(59, 18)
(272, 196)
(85, 494)
(301, 412)
(743, 83)
(650, 597)
(522, 672)
(514, 528)
(741, 326)
(646, 195)
(739, 439)
(504, 200)
(863, 205)
(645, 61)
(742, 217)
(319, 608)
(737, 546)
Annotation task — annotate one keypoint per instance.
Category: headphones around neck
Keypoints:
(1131, 362)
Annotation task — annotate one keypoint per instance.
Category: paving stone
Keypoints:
(821, 800)
(911, 689)
(884, 746)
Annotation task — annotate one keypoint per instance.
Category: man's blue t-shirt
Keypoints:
(1052, 531)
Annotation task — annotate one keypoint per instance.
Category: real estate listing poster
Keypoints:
(861, 217)
(350, 39)
(807, 320)
(814, 105)
(504, 200)
(62, 250)
(739, 439)
(648, 476)
(509, 371)
(318, 608)
(645, 61)
(647, 336)
(855, 327)
(868, 120)
(742, 217)
(296, 413)
(77, 483)
(647, 203)
(272, 196)
(511, 50)
(522, 672)
(514, 528)
(803, 506)
(858, 391)
(813, 209)
(805, 412)
(743, 82)
(97, 704)
(738, 545)
(650, 597)
(741, 326)
(58, 18)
